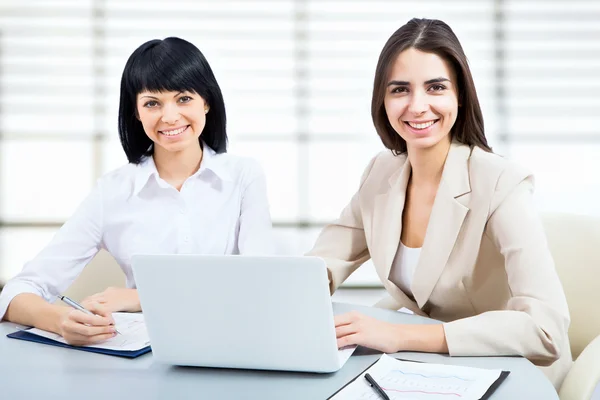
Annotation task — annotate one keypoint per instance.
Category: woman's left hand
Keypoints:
(356, 328)
(116, 299)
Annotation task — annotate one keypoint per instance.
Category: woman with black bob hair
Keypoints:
(449, 225)
(180, 193)
(170, 65)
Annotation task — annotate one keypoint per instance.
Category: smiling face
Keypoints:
(172, 120)
(421, 101)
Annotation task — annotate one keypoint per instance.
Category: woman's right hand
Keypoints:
(80, 329)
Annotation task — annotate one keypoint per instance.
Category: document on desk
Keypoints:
(132, 334)
(416, 381)
(345, 353)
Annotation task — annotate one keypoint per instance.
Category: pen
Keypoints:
(79, 307)
(376, 386)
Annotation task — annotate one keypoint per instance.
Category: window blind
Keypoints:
(297, 77)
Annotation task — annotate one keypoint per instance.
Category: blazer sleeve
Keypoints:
(535, 320)
(342, 244)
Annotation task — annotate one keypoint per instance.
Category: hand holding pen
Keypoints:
(92, 325)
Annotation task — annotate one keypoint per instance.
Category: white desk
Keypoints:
(35, 371)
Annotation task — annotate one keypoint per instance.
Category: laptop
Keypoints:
(251, 312)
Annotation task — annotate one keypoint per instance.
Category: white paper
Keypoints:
(405, 310)
(132, 334)
(420, 381)
(345, 353)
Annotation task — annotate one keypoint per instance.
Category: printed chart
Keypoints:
(421, 381)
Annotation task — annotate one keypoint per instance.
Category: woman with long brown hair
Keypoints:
(449, 225)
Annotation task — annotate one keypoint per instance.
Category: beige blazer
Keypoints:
(485, 268)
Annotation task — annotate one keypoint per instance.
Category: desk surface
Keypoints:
(31, 370)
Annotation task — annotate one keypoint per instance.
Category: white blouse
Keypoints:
(404, 266)
(221, 209)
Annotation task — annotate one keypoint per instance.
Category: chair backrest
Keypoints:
(574, 242)
(102, 272)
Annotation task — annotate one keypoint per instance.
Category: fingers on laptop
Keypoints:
(348, 340)
(347, 318)
(344, 330)
(347, 328)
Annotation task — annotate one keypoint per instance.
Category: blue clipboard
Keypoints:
(24, 335)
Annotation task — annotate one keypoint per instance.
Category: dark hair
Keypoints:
(171, 64)
(430, 36)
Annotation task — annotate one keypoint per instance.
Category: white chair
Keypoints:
(101, 273)
(574, 242)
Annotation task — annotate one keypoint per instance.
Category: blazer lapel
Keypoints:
(387, 227)
(446, 219)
